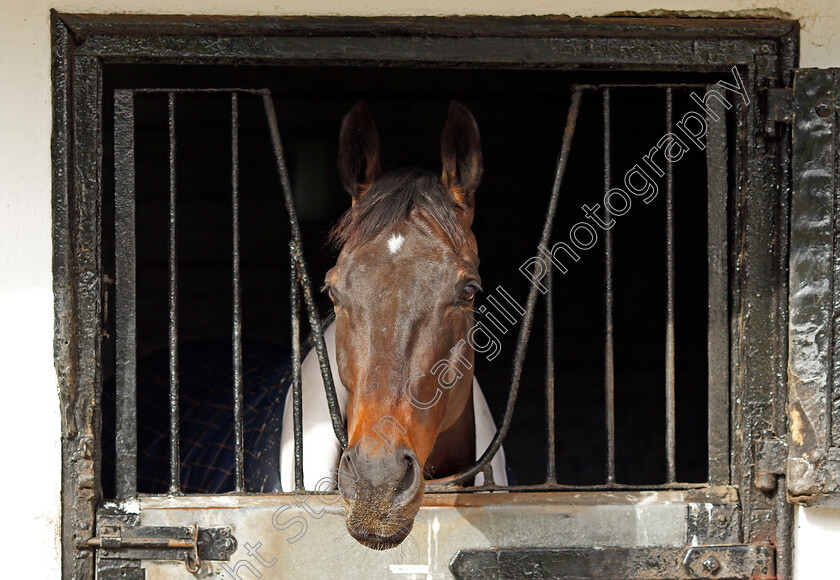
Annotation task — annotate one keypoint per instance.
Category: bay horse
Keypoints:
(403, 288)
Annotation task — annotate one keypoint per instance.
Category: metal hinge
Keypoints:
(770, 461)
(778, 108)
(191, 544)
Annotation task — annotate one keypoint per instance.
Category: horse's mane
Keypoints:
(389, 201)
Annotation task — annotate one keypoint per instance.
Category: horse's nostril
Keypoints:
(345, 484)
(410, 481)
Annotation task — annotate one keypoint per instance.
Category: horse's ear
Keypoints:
(460, 150)
(358, 151)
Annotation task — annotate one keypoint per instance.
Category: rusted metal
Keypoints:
(550, 470)
(670, 343)
(813, 469)
(770, 461)
(738, 562)
(712, 523)
(77, 275)
(758, 202)
(126, 296)
(437, 486)
(783, 532)
(609, 343)
(174, 403)
(86, 26)
(190, 545)
(297, 392)
(151, 543)
(239, 439)
(778, 108)
(649, 43)
(760, 199)
(717, 327)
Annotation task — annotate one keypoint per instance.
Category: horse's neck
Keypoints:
(321, 450)
(454, 450)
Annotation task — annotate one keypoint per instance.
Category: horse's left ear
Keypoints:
(460, 150)
(358, 151)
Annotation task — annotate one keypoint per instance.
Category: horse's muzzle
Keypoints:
(381, 495)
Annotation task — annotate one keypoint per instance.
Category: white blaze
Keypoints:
(395, 242)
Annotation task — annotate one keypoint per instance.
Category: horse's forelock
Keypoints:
(389, 201)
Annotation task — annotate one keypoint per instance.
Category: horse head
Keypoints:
(403, 289)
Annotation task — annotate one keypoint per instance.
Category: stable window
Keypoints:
(655, 364)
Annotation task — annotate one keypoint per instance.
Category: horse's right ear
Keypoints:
(358, 151)
(460, 148)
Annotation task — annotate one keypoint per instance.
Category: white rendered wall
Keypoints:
(29, 411)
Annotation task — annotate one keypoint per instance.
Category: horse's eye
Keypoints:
(467, 294)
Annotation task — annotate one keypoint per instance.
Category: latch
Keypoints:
(190, 545)
(770, 461)
(778, 108)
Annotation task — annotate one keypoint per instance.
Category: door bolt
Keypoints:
(824, 108)
(711, 564)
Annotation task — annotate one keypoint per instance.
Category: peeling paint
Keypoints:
(796, 426)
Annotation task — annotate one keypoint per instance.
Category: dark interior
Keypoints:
(521, 115)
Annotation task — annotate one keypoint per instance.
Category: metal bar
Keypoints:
(717, 158)
(782, 509)
(174, 411)
(153, 90)
(649, 86)
(440, 486)
(297, 391)
(609, 355)
(297, 251)
(137, 543)
(528, 318)
(705, 29)
(239, 442)
(550, 470)
(670, 426)
(126, 296)
(398, 45)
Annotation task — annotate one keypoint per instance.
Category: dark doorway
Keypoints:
(521, 115)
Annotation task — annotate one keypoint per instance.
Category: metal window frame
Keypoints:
(766, 51)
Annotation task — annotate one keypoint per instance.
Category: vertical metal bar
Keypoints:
(528, 318)
(174, 411)
(670, 427)
(609, 355)
(297, 252)
(126, 296)
(239, 443)
(297, 392)
(550, 470)
(717, 158)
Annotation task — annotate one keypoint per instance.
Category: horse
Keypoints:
(399, 349)
(402, 291)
